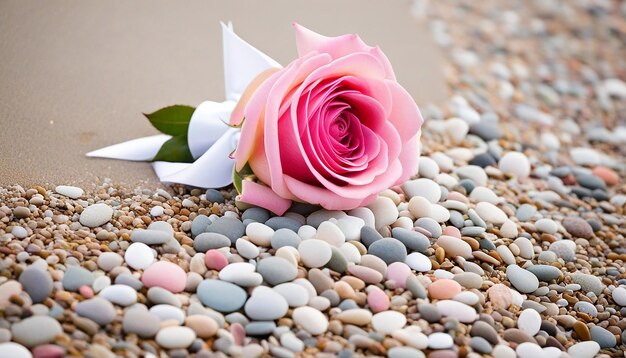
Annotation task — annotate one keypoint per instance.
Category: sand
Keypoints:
(76, 76)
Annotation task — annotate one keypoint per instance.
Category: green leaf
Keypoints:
(239, 177)
(175, 150)
(172, 120)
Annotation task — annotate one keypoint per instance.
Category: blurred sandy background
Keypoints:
(76, 75)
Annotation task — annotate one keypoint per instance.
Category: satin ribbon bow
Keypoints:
(211, 140)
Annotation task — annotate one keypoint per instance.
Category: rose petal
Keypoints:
(308, 40)
(262, 196)
(327, 199)
(405, 115)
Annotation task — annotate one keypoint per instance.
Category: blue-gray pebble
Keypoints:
(230, 227)
(389, 250)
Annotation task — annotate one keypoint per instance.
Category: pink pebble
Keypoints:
(452, 231)
(48, 351)
(377, 300)
(444, 289)
(85, 291)
(455, 195)
(423, 231)
(238, 332)
(166, 275)
(215, 260)
(398, 272)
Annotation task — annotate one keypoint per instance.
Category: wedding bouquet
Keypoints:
(332, 128)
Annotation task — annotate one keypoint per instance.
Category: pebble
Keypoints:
(121, 295)
(314, 253)
(523, 280)
(546, 225)
(71, 192)
(413, 240)
(109, 260)
(231, 299)
(454, 246)
(19, 232)
(515, 163)
(210, 241)
(35, 330)
(378, 300)
(619, 296)
(247, 249)
(96, 215)
(423, 187)
(418, 262)
(215, 260)
(14, 350)
(75, 277)
(384, 210)
(276, 270)
(484, 330)
(444, 289)
(588, 283)
(310, 319)
(331, 233)
(491, 213)
(241, 274)
(545, 273)
(578, 227)
(97, 309)
(460, 311)
(587, 349)
(603, 337)
(389, 250)
(469, 280)
(529, 321)
(203, 326)
(285, 237)
(473, 172)
(166, 275)
(294, 294)
(139, 256)
(37, 283)
(140, 322)
(404, 352)
(387, 322)
(265, 304)
(175, 337)
(230, 227)
(440, 340)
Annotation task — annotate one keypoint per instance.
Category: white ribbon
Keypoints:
(211, 140)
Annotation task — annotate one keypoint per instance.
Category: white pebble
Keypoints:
(440, 340)
(619, 296)
(96, 215)
(246, 249)
(481, 193)
(19, 232)
(529, 321)
(418, 262)
(385, 211)
(388, 321)
(515, 163)
(312, 320)
(314, 253)
(260, 234)
(174, 337)
(422, 187)
(157, 211)
(428, 168)
(491, 213)
(139, 256)
(69, 191)
(330, 233)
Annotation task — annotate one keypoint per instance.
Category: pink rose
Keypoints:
(332, 128)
